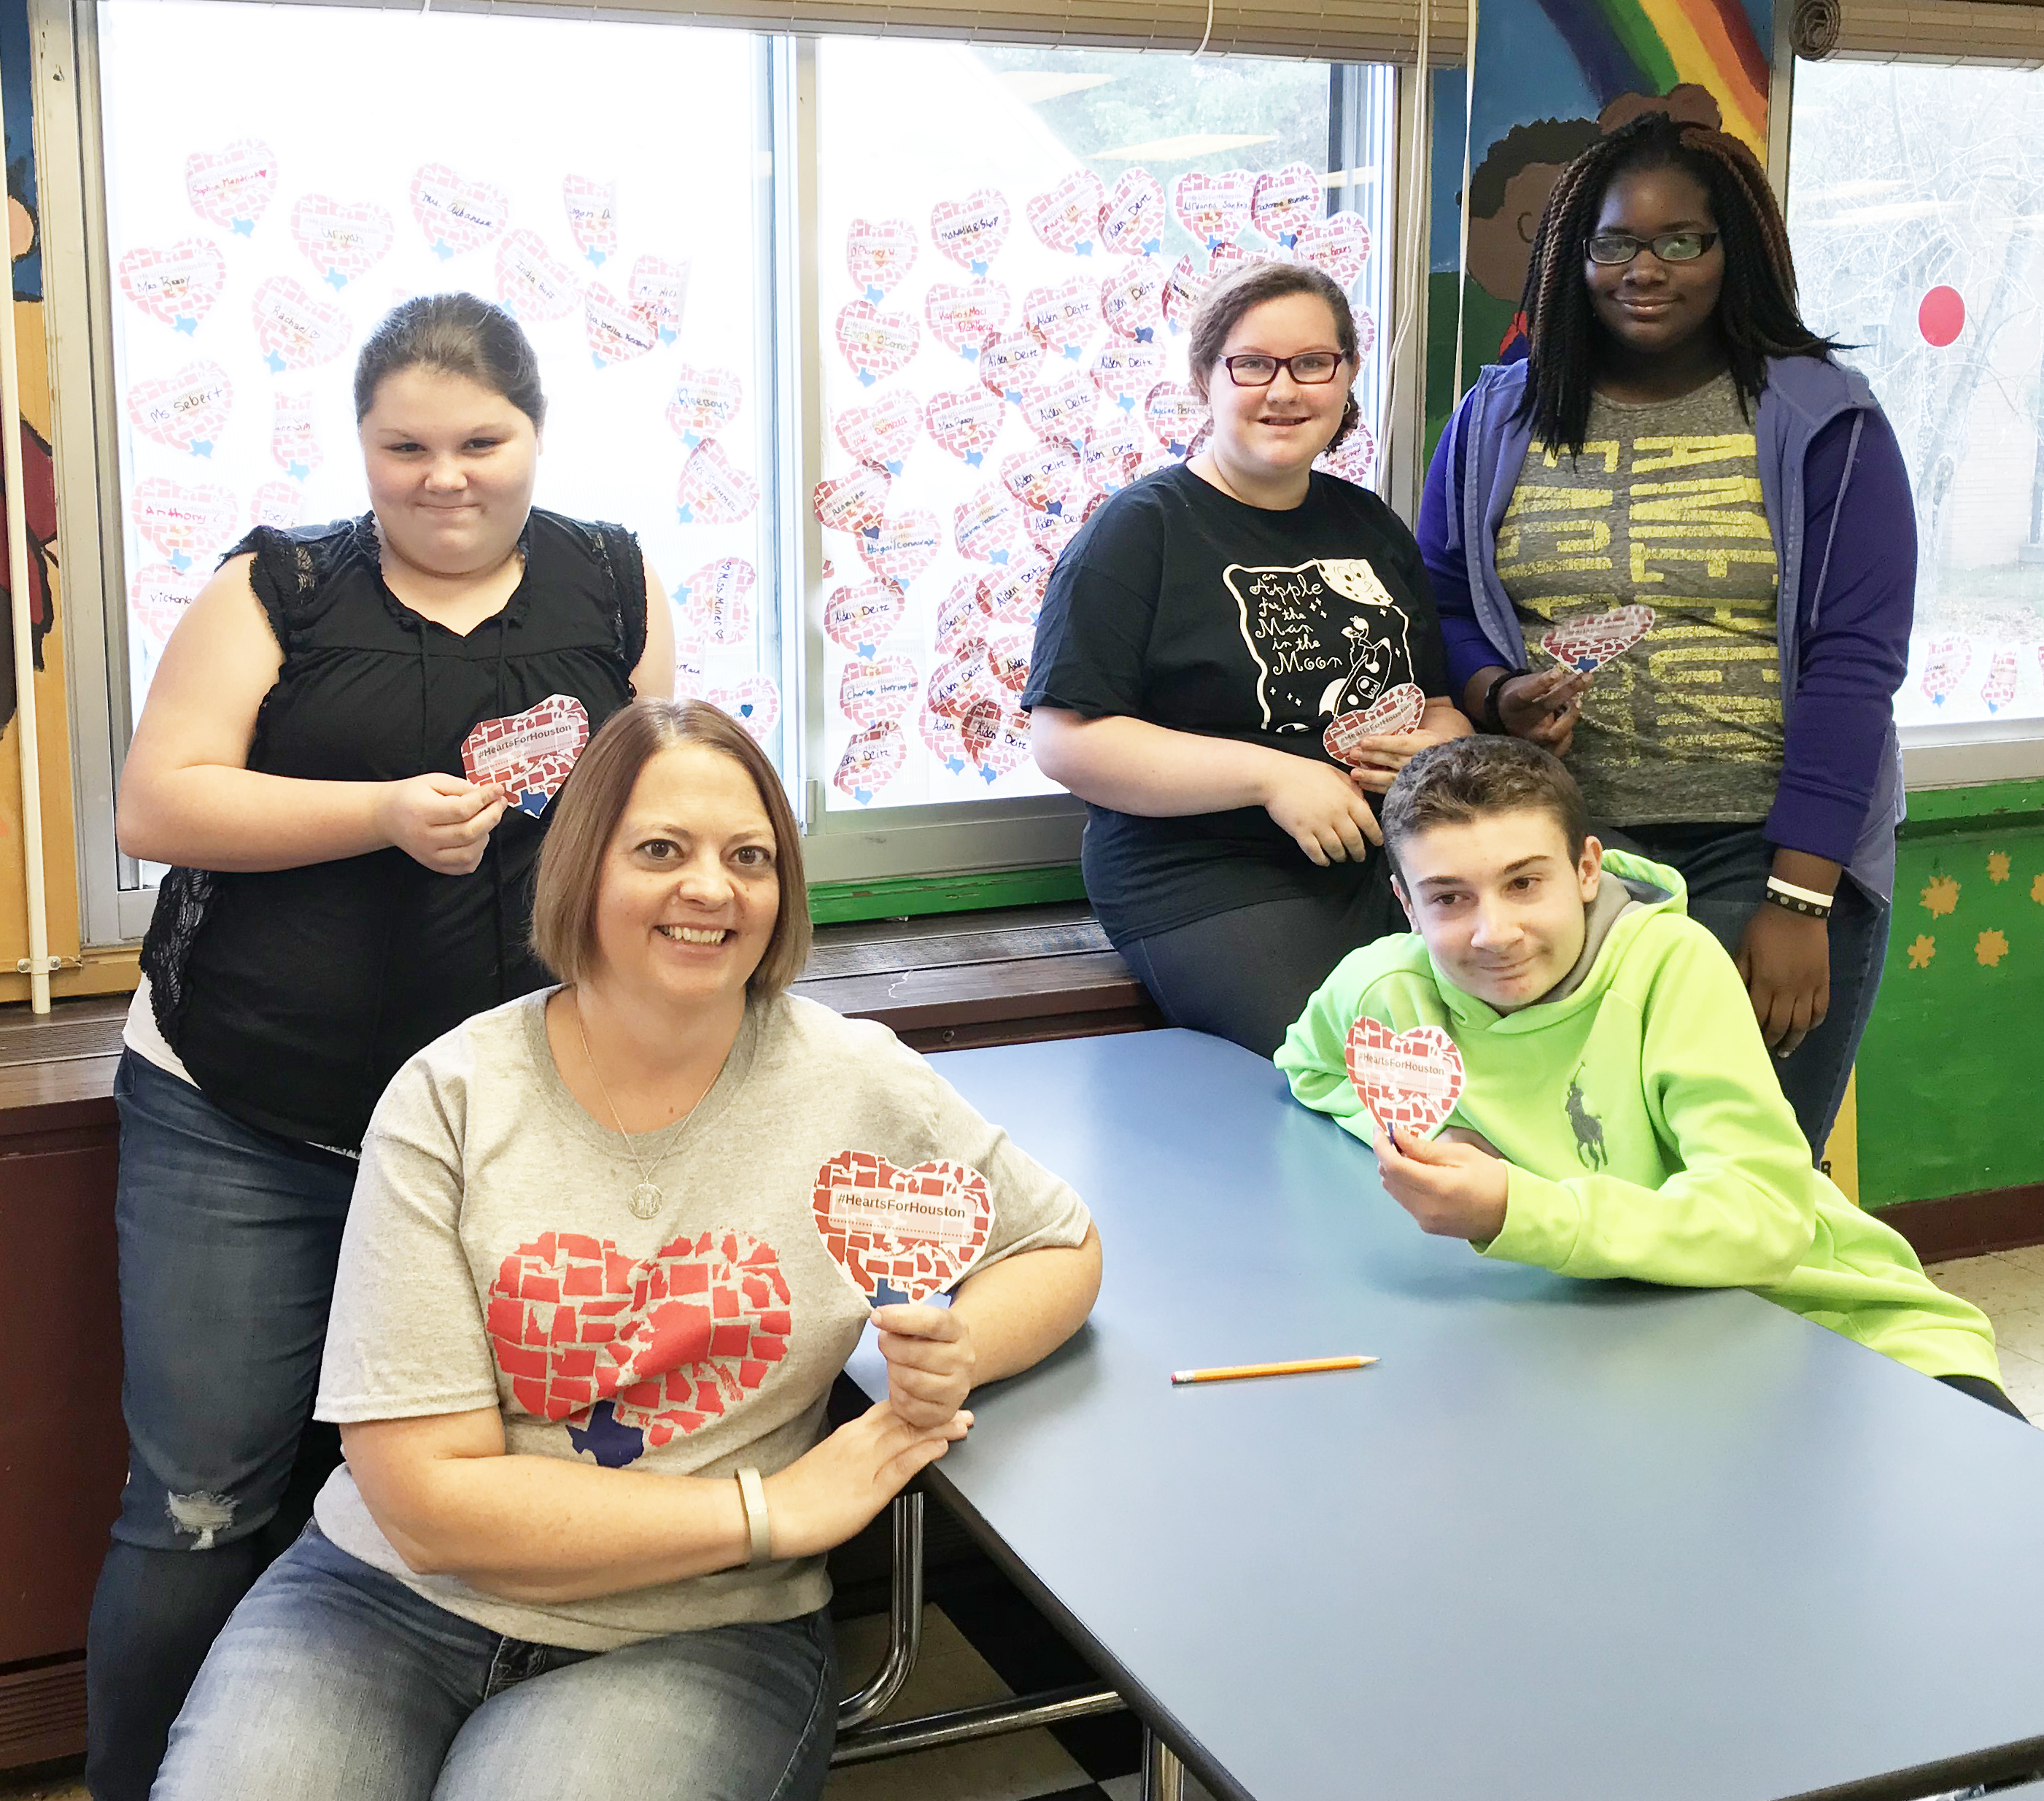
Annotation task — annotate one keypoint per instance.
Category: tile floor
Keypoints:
(981, 1643)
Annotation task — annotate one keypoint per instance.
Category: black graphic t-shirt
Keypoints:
(1181, 605)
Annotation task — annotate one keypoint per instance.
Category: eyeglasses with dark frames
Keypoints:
(1312, 368)
(1614, 249)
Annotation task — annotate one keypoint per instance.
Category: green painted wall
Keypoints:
(1951, 1072)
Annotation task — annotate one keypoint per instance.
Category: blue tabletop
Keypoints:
(1566, 1539)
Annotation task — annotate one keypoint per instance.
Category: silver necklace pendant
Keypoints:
(646, 1199)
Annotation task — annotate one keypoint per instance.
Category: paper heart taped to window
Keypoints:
(1068, 217)
(1133, 223)
(1588, 643)
(1213, 208)
(293, 330)
(869, 692)
(188, 411)
(883, 433)
(615, 332)
(965, 422)
(970, 232)
(901, 1235)
(1396, 710)
(712, 489)
(341, 238)
(876, 344)
(1409, 1080)
(878, 253)
(532, 285)
(592, 210)
(670, 1341)
(984, 527)
(705, 401)
(961, 316)
(1285, 201)
(178, 284)
(279, 504)
(1008, 362)
(872, 759)
(754, 702)
(233, 187)
(527, 754)
(456, 214)
(718, 600)
(858, 619)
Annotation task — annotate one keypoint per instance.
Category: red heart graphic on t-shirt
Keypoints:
(673, 1340)
(1409, 1080)
(1068, 217)
(970, 232)
(901, 1235)
(1396, 710)
(178, 285)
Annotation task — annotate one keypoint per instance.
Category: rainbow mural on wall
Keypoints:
(1651, 46)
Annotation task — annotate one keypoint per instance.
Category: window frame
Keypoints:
(932, 841)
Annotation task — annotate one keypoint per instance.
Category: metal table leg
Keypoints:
(1163, 1776)
(904, 1618)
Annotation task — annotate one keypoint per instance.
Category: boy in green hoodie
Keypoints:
(1619, 1116)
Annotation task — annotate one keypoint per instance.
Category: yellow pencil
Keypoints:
(1232, 1372)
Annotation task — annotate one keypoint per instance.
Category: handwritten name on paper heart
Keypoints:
(615, 332)
(1131, 300)
(854, 501)
(1007, 361)
(1283, 203)
(1588, 643)
(658, 290)
(1353, 459)
(1174, 413)
(294, 444)
(1213, 208)
(860, 619)
(1396, 710)
(705, 401)
(970, 232)
(712, 489)
(1338, 246)
(279, 504)
(456, 214)
(986, 527)
(188, 525)
(640, 1349)
(187, 411)
(966, 422)
(1409, 1080)
(177, 284)
(1067, 218)
(883, 433)
(961, 316)
(878, 253)
(1945, 662)
(158, 596)
(1125, 372)
(872, 759)
(1132, 223)
(868, 693)
(876, 344)
(1999, 689)
(1060, 410)
(901, 1235)
(1062, 319)
(754, 703)
(341, 238)
(902, 546)
(961, 613)
(532, 284)
(293, 330)
(592, 210)
(527, 754)
(232, 187)
(1043, 478)
(718, 601)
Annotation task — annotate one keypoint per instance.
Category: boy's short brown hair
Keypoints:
(593, 800)
(1467, 778)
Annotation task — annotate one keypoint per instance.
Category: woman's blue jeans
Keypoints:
(334, 1682)
(228, 1238)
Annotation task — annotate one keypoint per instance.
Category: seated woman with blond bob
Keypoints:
(587, 1317)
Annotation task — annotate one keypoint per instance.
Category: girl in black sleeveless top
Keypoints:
(342, 894)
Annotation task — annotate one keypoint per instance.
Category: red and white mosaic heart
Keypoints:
(1396, 710)
(1587, 643)
(1408, 1080)
(527, 754)
(901, 1234)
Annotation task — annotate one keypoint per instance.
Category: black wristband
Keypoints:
(1796, 904)
(1492, 720)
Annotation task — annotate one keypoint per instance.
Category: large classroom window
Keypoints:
(852, 333)
(1916, 207)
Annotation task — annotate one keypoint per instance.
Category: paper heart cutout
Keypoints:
(754, 703)
(1108, 460)
(962, 613)
(1588, 642)
(986, 527)
(705, 401)
(456, 214)
(883, 433)
(962, 316)
(531, 286)
(966, 422)
(341, 238)
(1043, 478)
(1061, 411)
(868, 693)
(177, 284)
(1184, 289)
(970, 232)
(1396, 710)
(527, 754)
(1131, 300)
(666, 1343)
(1999, 689)
(875, 343)
(1354, 458)
(277, 504)
(1068, 218)
(616, 333)
(293, 330)
(853, 502)
(718, 601)
(1174, 413)
(294, 444)
(1051, 531)
(1338, 246)
(901, 1235)
(1285, 201)
(961, 678)
(1014, 596)
(872, 759)
(1132, 222)
(1009, 750)
(187, 411)
(659, 290)
(1062, 319)
(158, 594)
(1008, 656)
(878, 253)
(1125, 372)
(592, 210)
(1007, 361)
(1409, 1080)
(1213, 208)
(1945, 662)
(946, 743)
(232, 187)
(712, 489)
(902, 546)
(860, 619)
(188, 525)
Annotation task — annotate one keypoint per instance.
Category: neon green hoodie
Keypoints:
(1646, 1133)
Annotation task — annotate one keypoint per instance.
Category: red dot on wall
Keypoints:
(1942, 316)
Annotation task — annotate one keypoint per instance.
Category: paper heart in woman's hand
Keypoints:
(527, 755)
(901, 1235)
(1396, 710)
(1409, 1080)
(1587, 643)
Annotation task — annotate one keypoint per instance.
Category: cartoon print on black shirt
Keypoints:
(1326, 637)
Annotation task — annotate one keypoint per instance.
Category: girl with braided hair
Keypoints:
(1679, 440)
